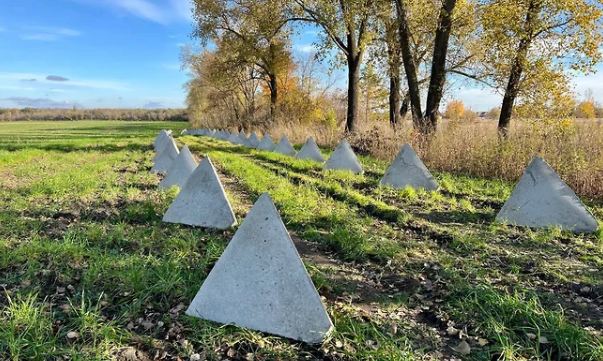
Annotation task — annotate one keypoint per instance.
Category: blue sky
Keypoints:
(93, 53)
(125, 54)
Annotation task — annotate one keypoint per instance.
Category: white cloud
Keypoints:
(142, 9)
(38, 102)
(157, 11)
(172, 66)
(476, 98)
(46, 33)
(305, 48)
(42, 80)
(590, 83)
(183, 9)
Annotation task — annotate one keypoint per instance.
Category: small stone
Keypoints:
(463, 348)
(73, 335)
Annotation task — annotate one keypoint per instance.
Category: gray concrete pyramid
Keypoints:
(407, 170)
(343, 158)
(202, 201)
(310, 151)
(266, 143)
(284, 147)
(234, 137)
(253, 141)
(261, 283)
(160, 140)
(182, 167)
(542, 199)
(166, 155)
(243, 140)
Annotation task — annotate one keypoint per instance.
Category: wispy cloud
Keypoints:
(183, 8)
(142, 9)
(172, 66)
(158, 11)
(45, 33)
(153, 105)
(26, 102)
(56, 80)
(305, 48)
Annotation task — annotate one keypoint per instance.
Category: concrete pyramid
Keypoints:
(181, 169)
(164, 158)
(202, 201)
(266, 143)
(253, 141)
(542, 199)
(160, 139)
(343, 158)
(260, 282)
(243, 140)
(407, 170)
(284, 147)
(234, 138)
(310, 151)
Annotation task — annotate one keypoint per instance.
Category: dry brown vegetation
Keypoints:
(574, 148)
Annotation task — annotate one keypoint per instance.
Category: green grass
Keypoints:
(403, 273)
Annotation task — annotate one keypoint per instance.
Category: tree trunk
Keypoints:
(404, 106)
(394, 100)
(353, 92)
(410, 68)
(438, 67)
(273, 96)
(393, 53)
(512, 90)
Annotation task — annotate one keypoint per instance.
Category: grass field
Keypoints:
(89, 272)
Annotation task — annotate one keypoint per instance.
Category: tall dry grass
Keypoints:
(574, 148)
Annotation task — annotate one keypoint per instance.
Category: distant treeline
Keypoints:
(96, 114)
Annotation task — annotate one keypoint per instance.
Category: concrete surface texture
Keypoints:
(202, 201)
(407, 170)
(165, 156)
(284, 147)
(161, 140)
(182, 167)
(260, 282)
(310, 151)
(343, 158)
(253, 140)
(541, 199)
(266, 143)
(243, 140)
(234, 138)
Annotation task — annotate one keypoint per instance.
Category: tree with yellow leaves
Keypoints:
(530, 45)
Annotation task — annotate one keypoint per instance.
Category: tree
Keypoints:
(426, 123)
(347, 27)
(538, 39)
(586, 109)
(222, 92)
(254, 31)
(455, 110)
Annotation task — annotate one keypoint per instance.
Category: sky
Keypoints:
(126, 54)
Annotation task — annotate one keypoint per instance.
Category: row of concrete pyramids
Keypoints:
(342, 158)
(259, 282)
(543, 203)
(261, 260)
